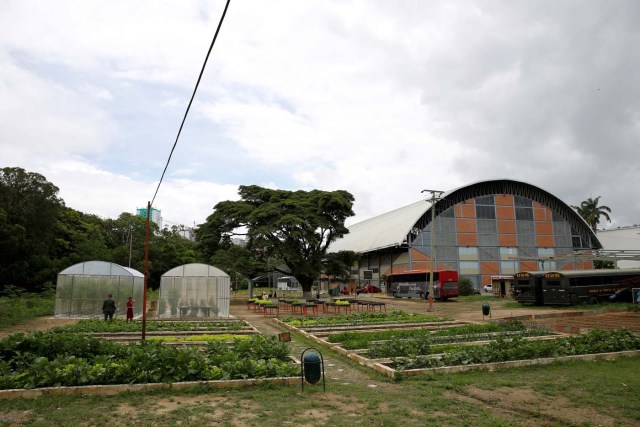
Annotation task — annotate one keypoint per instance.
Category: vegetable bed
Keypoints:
(119, 325)
(362, 318)
(46, 359)
(517, 348)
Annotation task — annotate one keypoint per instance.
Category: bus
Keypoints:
(415, 284)
(586, 286)
(527, 287)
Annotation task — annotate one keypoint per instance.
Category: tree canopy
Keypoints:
(40, 236)
(591, 212)
(292, 227)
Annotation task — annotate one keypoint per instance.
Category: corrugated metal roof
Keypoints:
(391, 229)
(383, 231)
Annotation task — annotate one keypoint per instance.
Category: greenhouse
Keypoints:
(81, 289)
(194, 290)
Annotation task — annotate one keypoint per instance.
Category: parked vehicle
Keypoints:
(368, 289)
(415, 284)
(590, 286)
(487, 288)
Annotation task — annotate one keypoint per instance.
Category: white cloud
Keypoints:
(381, 99)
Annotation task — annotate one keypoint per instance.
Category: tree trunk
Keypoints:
(306, 283)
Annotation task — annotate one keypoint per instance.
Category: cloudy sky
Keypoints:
(380, 98)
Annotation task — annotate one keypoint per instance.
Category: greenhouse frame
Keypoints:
(194, 290)
(82, 288)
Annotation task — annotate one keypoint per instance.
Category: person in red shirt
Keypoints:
(130, 303)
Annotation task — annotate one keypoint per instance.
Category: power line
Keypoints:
(191, 101)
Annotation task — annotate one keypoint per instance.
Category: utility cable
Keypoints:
(191, 101)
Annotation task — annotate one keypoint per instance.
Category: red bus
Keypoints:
(415, 284)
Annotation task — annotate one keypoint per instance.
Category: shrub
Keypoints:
(466, 287)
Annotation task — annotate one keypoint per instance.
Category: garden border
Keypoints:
(379, 366)
(112, 389)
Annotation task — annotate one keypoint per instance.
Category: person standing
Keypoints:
(108, 307)
(130, 304)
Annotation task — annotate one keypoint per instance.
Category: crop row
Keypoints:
(119, 325)
(45, 359)
(517, 348)
(365, 317)
(356, 340)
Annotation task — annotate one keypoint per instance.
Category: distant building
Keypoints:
(487, 229)
(156, 215)
(622, 243)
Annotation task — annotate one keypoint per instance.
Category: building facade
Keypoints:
(491, 228)
(156, 215)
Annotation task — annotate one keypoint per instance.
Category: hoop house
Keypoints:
(81, 289)
(194, 290)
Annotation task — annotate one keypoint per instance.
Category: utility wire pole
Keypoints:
(435, 196)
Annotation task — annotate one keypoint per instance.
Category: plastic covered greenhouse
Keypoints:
(81, 289)
(194, 290)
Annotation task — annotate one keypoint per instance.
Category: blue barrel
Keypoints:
(312, 373)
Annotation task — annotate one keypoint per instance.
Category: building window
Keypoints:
(469, 267)
(468, 254)
(485, 212)
(524, 202)
(485, 200)
(508, 253)
(524, 214)
(545, 259)
(509, 267)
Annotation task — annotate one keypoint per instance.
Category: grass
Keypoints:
(593, 389)
(17, 310)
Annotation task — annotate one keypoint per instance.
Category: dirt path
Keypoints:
(334, 370)
(38, 324)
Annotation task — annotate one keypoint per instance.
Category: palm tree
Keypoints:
(591, 212)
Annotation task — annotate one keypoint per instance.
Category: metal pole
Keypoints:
(435, 194)
(146, 274)
(130, 243)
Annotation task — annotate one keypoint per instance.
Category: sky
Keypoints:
(379, 98)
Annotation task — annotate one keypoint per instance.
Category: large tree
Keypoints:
(591, 212)
(29, 208)
(293, 227)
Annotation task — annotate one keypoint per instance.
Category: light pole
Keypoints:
(435, 196)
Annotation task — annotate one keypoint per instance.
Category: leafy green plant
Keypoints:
(203, 337)
(516, 348)
(62, 359)
(366, 317)
(120, 325)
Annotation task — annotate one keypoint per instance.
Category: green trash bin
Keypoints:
(334, 292)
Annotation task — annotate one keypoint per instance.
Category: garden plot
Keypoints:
(195, 332)
(68, 359)
(454, 348)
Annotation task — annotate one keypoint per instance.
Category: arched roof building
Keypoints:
(489, 228)
(194, 290)
(81, 289)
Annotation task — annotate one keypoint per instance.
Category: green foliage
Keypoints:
(516, 348)
(39, 236)
(19, 306)
(466, 286)
(591, 212)
(29, 205)
(355, 340)
(337, 265)
(369, 317)
(120, 325)
(203, 337)
(293, 227)
(66, 359)
(599, 264)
